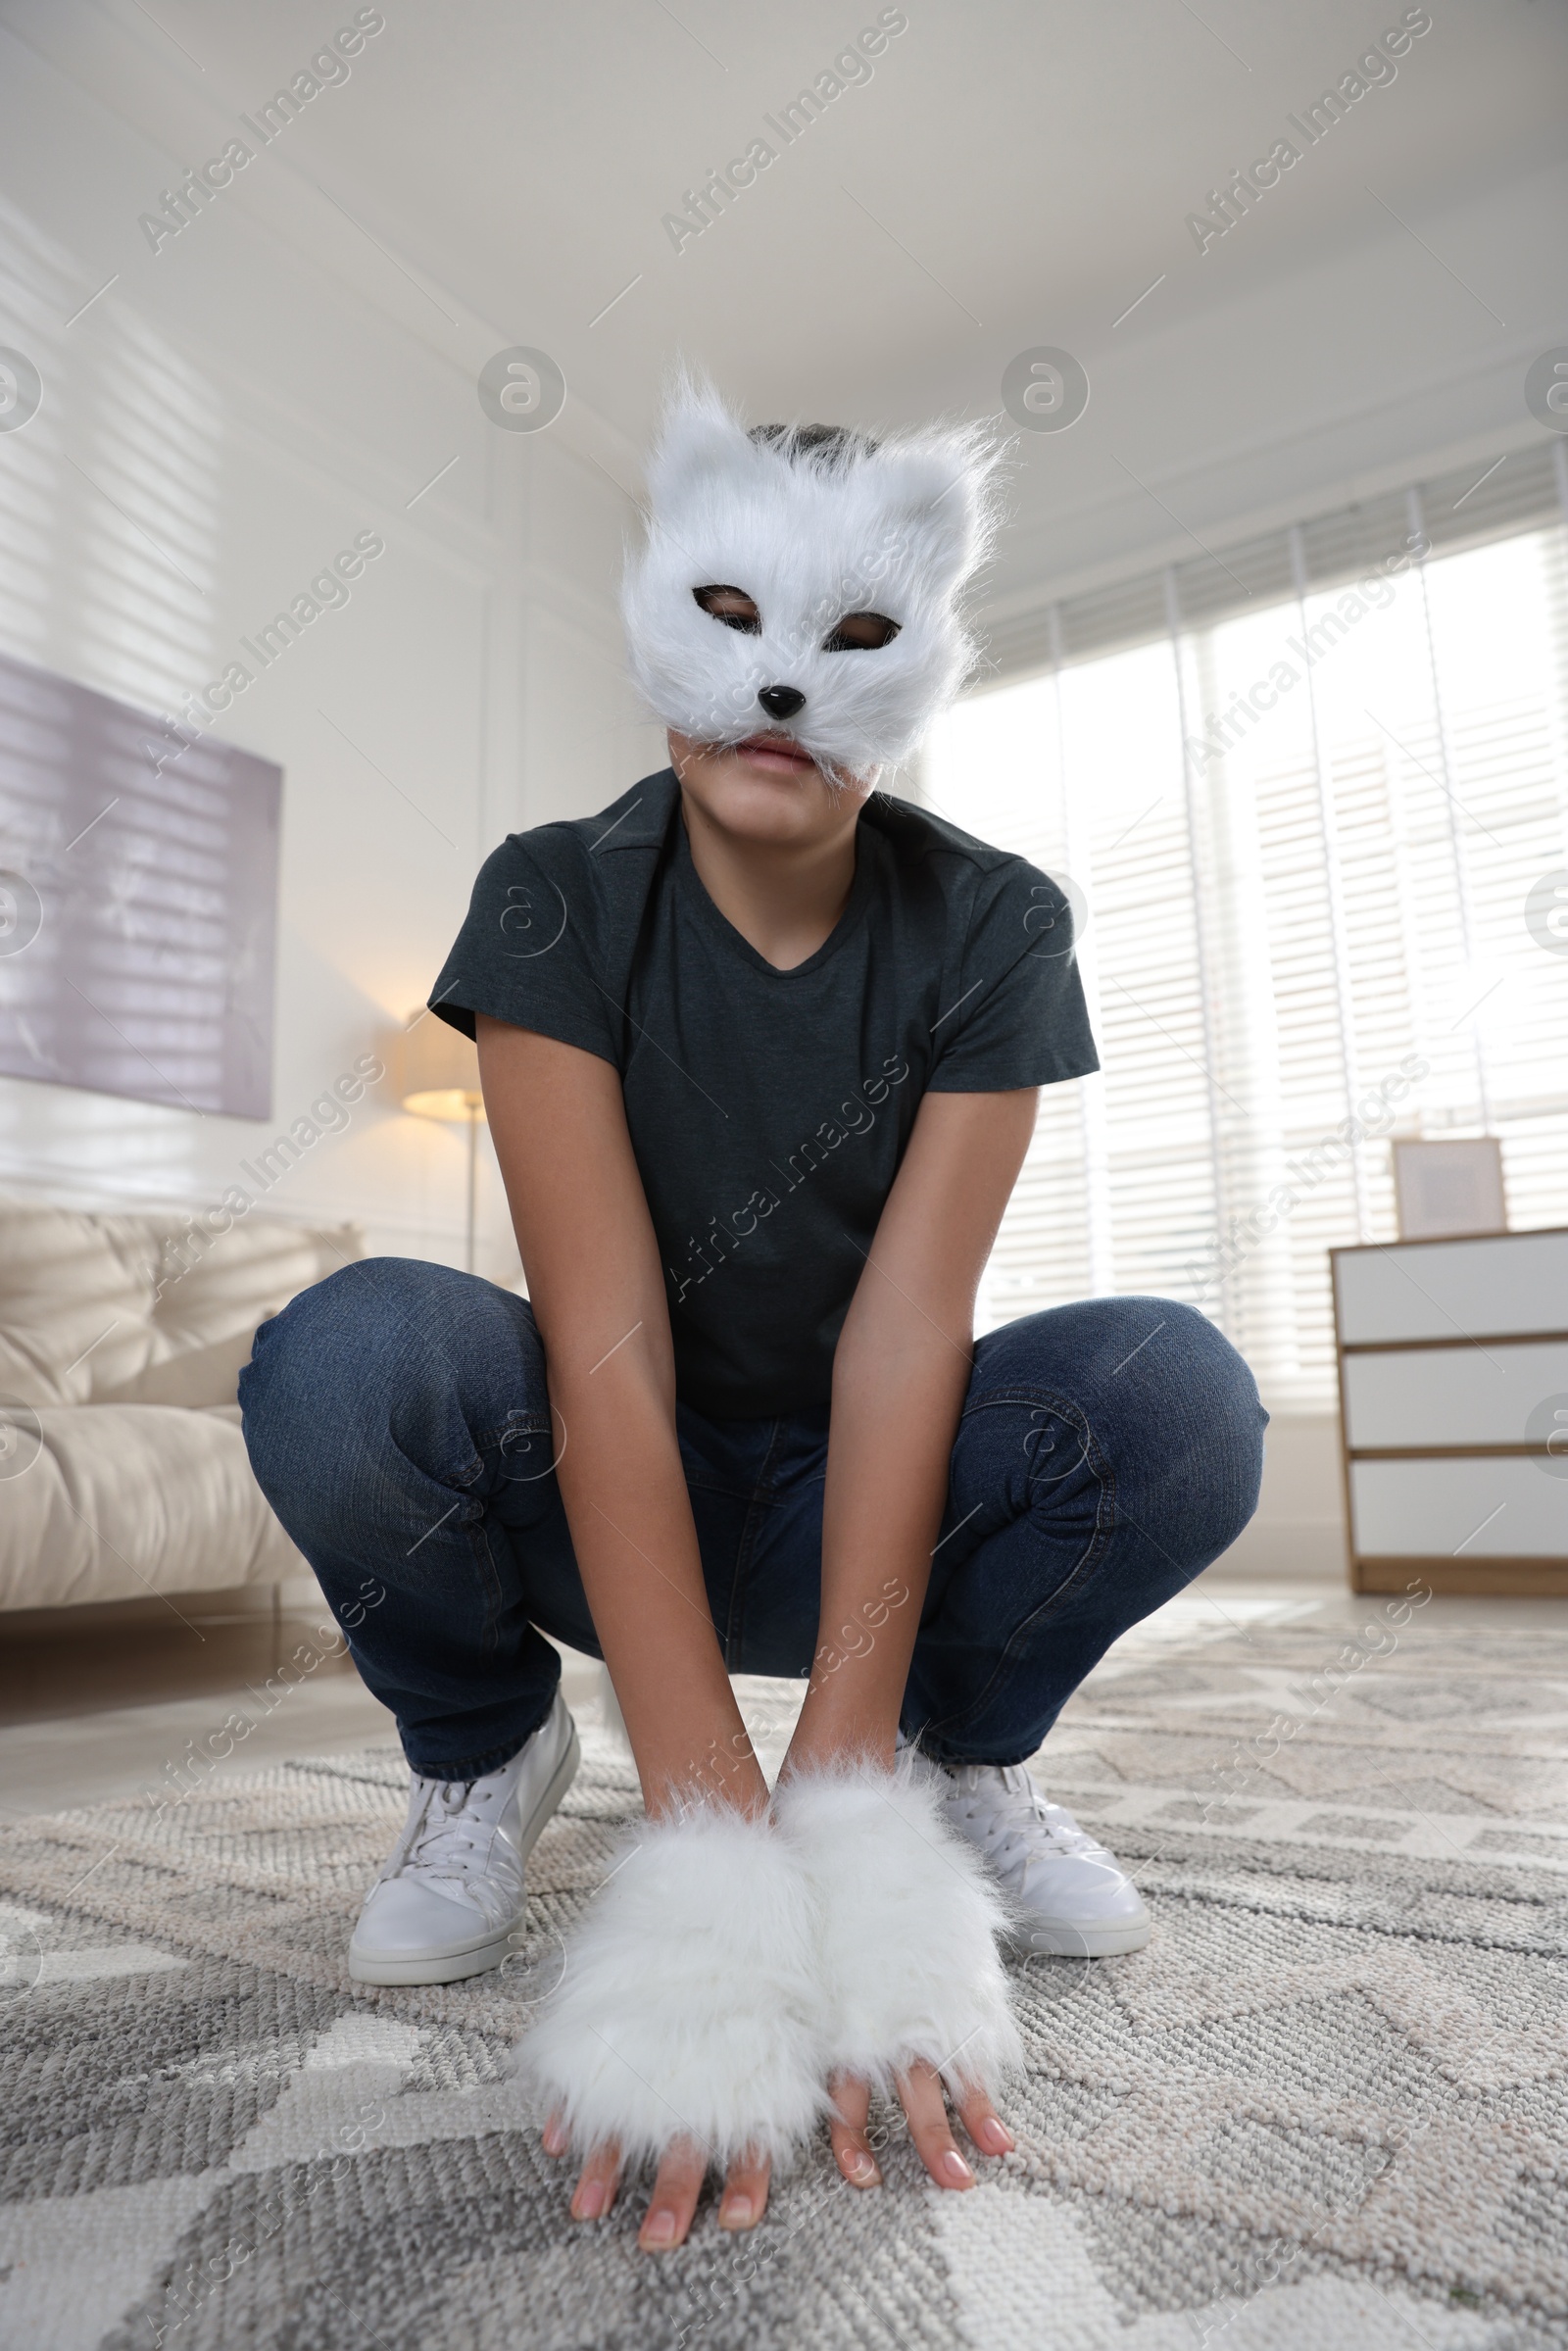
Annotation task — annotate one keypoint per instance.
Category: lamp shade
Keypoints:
(440, 1071)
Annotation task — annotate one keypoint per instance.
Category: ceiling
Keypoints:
(1010, 175)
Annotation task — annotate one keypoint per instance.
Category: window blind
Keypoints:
(1475, 503)
(1301, 823)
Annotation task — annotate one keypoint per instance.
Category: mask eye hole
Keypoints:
(862, 632)
(733, 607)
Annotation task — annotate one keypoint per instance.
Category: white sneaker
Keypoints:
(1070, 1895)
(451, 1899)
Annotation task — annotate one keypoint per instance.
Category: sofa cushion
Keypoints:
(156, 1310)
(210, 1295)
(114, 1502)
(73, 1305)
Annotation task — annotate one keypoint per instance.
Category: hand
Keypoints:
(921, 2096)
(668, 2219)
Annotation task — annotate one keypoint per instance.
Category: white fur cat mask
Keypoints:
(811, 527)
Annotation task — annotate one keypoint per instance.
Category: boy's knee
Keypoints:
(1193, 1436)
(1162, 1404)
(329, 1361)
(307, 1340)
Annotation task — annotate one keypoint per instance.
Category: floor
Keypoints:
(88, 1718)
(1327, 2107)
(103, 1712)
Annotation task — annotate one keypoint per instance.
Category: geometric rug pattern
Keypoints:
(1327, 2108)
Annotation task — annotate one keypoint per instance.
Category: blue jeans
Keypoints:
(398, 1422)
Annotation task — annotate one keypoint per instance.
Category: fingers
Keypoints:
(745, 2194)
(852, 2149)
(921, 2095)
(674, 2199)
(676, 2189)
(984, 2125)
(597, 2184)
(680, 2183)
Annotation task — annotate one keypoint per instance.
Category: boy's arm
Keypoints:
(597, 1293)
(899, 1375)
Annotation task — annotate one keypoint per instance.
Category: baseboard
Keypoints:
(1481, 1579)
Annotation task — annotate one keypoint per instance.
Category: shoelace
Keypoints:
(1043, 1831)
(451, 1834)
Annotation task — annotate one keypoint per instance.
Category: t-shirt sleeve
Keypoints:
(527, 951)
(1018, 1016)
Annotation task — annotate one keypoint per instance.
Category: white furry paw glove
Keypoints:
(687, 2005)
(907, 1919)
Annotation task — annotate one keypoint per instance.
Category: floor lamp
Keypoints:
(441, 1080)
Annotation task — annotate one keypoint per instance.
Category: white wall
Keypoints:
(213, 430)
(1342, 376)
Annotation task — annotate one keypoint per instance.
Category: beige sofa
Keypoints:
(123, 1470)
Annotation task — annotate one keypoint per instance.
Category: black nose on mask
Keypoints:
(781, 702)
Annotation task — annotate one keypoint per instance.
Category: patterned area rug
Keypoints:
(1326, 2108)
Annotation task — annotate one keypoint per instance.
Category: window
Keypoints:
(1311, 803)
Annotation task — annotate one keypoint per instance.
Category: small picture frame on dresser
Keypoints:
(1446, 1188)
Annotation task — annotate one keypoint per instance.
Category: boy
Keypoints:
(761, 1049)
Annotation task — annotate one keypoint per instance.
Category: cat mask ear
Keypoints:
(939, 492)
(701, 449)
(811, 525)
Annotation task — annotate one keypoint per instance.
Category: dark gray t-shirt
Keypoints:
(770, 1110)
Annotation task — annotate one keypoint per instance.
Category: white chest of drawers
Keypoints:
(1454, 1412)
